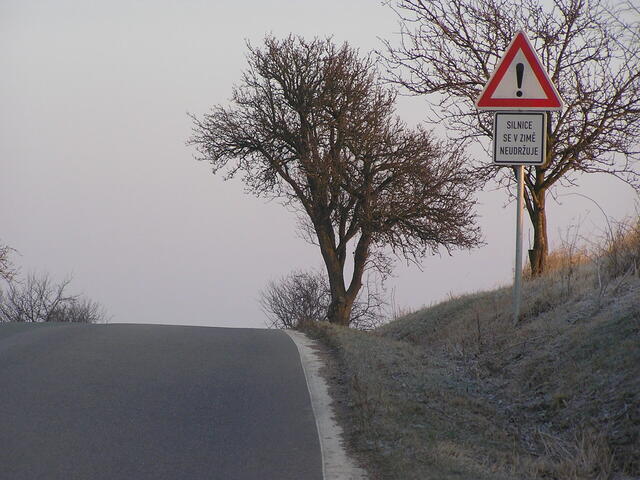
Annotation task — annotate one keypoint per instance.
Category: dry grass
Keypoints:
(458, 391)
(404, 412)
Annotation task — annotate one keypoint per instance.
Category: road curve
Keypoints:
(153, 402)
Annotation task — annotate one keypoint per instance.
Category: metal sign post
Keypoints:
(519, 140)
(517, 282)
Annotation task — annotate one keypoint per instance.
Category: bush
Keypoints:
(37, 299)
(304, 297)
(298, 298)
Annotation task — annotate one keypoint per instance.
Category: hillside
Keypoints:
(457, 391)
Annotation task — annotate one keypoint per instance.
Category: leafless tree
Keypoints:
(303, 297)
(298, 298)
(7, 270)
(313, 124)
(449, 48)
(79, 310)
(38, 299)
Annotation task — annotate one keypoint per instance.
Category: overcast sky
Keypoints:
(96, 180)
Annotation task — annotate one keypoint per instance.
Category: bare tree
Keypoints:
(303, 297)
(79, 310)
(449, 48)
(38, 299)
(7, 270)
(296, 299)
(312, 124)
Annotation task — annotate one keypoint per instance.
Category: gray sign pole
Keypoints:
(518, 273)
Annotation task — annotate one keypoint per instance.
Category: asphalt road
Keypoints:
(154, 402)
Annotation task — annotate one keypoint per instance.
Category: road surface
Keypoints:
(154, 402)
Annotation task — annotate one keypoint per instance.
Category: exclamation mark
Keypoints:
(519, 75)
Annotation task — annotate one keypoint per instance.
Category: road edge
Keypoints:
(336, 464)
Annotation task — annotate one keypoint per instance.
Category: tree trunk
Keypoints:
(343, 298)
(540, 251)
(340, 310)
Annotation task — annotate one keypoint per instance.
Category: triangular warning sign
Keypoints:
(519, 81)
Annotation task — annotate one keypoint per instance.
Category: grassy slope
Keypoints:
(456, 391)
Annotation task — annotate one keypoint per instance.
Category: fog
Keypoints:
(96, 180)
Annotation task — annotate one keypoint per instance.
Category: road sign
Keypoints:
(519, 82)
(519, 138)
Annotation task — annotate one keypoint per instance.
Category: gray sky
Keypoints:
(96, 180)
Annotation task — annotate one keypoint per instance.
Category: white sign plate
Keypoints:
(519, 138)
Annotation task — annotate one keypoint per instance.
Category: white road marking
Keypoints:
(336, 465)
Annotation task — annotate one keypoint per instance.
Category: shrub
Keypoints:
(304, 297)
(38, 299)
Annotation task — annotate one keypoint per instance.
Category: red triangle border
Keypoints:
(552, 100)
